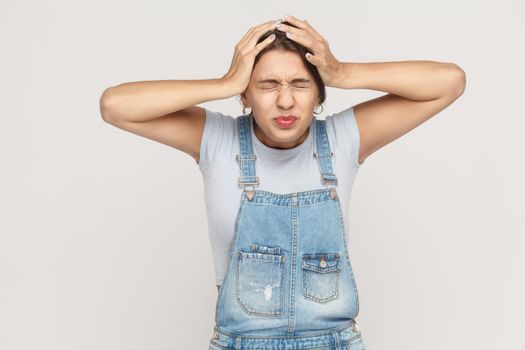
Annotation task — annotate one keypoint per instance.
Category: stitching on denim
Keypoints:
(293, 284)
(347, 258)
(240, 212)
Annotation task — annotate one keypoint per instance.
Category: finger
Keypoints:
(258, 48)
(299, 35)
(255, 33)
(263, 27)
(305, 26)
(246, 36)
(251, 41)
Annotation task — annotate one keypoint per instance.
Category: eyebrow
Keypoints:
(296, 80)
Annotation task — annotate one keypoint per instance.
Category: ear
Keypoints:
(244, 100)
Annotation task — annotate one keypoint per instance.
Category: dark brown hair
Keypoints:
(281, 42)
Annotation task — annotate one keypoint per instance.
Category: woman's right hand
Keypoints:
(246, 50)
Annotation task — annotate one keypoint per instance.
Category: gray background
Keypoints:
(103, 234)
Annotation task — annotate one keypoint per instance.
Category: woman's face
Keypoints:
(280, 85)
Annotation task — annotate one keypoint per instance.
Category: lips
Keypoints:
(285, 121)
(286, 117)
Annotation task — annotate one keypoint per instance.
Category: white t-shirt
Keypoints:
(280, 171)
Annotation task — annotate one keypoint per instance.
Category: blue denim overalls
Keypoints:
(289, 283)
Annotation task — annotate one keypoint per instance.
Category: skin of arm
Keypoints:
(167, 111)
(142, 101)
(416, 91)
(414, 80)
(145, 101)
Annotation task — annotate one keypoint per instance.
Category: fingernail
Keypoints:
(272, 36)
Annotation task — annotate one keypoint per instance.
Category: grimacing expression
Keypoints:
(281, 85)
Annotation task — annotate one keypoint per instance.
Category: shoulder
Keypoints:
(342, 121)
(219, 127)
(218, 119)
(217, 137)
(343, 130)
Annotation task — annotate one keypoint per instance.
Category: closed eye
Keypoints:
(269, 87)
(273, 86)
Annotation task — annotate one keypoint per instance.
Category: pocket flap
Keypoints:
(322, 262)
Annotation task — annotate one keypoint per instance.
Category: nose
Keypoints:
(285, 99)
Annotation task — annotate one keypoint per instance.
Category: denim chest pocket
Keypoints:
(260, 277)
(321, 276)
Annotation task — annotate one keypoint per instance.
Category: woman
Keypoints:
(282, 262)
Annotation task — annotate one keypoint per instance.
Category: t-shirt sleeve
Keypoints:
(216, 138)
(347, 133)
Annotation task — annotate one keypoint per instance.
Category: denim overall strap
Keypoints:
(323, 153)
(246, 158)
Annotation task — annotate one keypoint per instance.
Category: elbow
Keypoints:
(104, 105)
(459, 80)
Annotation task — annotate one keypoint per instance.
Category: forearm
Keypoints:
(415, 80)
(146, 100)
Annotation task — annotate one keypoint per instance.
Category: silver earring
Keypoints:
(322, 108)
(244, 110)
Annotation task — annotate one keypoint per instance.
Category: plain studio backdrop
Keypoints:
(104, 241)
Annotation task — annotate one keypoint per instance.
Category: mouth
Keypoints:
(285, 121)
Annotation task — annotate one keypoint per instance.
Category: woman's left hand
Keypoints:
(328, 66)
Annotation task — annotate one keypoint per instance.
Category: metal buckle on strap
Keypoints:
(249, 193)
(323, 155)
(241, 183)
(253, 156)
(328, 181)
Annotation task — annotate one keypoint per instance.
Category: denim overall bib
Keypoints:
(289, 283)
